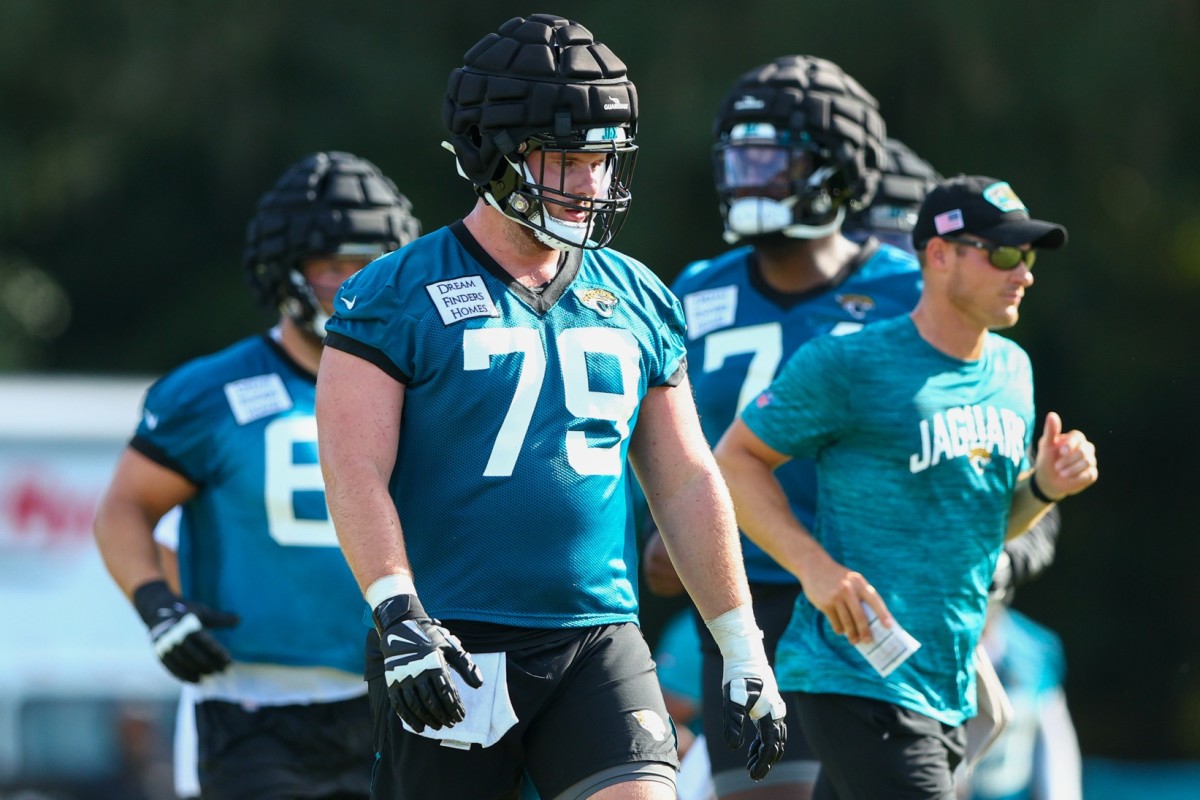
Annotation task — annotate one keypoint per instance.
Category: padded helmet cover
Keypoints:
(319, 205)
(907, 177)
(325, 204)
(813, 100)
(541, 76)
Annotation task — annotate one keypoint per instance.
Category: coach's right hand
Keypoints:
(179, 630)
(417, 655)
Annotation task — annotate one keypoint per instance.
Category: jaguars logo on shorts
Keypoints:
(601, 301)
(652, 723)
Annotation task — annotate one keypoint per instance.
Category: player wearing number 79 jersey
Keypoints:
(521, 402)
(481, 393)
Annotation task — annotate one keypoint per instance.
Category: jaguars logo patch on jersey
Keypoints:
(601, 301)
(856, 305)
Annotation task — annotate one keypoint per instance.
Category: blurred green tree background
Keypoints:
(136, 137)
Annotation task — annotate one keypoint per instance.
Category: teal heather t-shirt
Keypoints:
(917, 458)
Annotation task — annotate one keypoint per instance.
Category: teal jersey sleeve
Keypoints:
(808, 405)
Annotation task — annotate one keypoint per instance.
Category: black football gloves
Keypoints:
(418, 654)
(750, 696)
(179, 630)
(745, 706)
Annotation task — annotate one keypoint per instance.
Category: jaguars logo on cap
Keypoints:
(1002, 196)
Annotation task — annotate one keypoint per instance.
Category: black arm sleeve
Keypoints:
(1032, 553)
(1026, 557)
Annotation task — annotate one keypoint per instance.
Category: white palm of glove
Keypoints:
(744, 680)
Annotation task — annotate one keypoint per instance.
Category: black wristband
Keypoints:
(1037, 492)
(150, 597)
(395, 608)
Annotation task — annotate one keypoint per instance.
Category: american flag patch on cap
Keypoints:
(948, 221)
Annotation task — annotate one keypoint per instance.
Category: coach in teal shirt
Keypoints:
(920, 427)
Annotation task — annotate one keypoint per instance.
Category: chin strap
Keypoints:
(553, 232)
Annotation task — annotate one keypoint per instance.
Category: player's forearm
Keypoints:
(763, 511)
(125, 538)
(364, 516)
(1026, 510)
(697, 525)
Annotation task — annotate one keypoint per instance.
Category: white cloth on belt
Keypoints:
(489, 712)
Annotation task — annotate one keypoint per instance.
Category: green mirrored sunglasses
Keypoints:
(1000, 256)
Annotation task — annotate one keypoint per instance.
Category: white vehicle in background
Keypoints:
(83, 699)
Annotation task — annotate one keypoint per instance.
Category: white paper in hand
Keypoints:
(889, 647)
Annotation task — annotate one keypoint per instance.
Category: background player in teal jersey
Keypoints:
(799, 145)
(481, 391)
(265, 623)
(920, 426)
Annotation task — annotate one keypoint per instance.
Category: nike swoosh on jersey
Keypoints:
(350, 301)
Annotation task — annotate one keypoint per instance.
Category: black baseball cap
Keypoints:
(984, 207)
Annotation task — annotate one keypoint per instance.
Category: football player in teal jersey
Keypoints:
(799, 147)
(921, 427)
(264, 624)
(480, 393)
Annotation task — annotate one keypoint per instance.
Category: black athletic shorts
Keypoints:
(773, 605)
(587, 701)
(870, 748)
(322, 750)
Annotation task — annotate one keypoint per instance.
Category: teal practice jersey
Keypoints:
(256, 539)
(918, 455)
(518, 408)
(740, 332)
